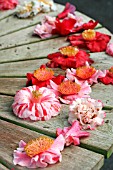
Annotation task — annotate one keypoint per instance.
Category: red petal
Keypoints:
(90, 25)
(69, 8)
(64, 27)
(58, 79)
(54, 55)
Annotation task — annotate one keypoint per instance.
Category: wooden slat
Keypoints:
(73, 157)
(9, 86)
(7, 41)
(96, 141)
(12, 23)
(19, 69)
(32, 51)
(2, 167)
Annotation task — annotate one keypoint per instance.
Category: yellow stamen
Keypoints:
(43, 74)
(85, 72)
(48, 2)
(69, 88)
(69, 51)
(38, 145)
(88, 34)
(36, 94)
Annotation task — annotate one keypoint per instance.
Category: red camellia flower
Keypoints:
(64, 27)
(68, 57)
(8, 4)
(42, 76)
(93, 41)
(69, 8)
(108, 79)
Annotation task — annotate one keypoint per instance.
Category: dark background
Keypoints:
(101, 10)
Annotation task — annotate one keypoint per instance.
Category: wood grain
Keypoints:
(73, 157)
(2, 167)
(96, 141)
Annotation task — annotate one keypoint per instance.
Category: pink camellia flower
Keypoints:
(109, 49)
(88, 112)
(44, 30)
(84, 73)
(72, 133)
(68, 91)
(8, 4)
(39, 152)
(36, 103)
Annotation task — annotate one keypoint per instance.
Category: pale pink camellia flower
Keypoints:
(8, 4)
(84, 73)
(44, 30)
(72, 134)
(109, 49)
(36, 103)
(39, 152)
(88, 112)
(68, 91)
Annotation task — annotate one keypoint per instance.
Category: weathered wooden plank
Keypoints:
(9, 86)
(96, 141)
(19, 69)
(32, 51)
(2, 167)
(12, 23)
(73, 157)
(26, 36)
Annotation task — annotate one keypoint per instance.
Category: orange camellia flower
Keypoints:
(69, 88)
(85, 72)
(39, 152)
(42, 76)
(38, 145)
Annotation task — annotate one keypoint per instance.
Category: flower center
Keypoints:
(88, 34)
(85, 72)
(36, 94)
(69, 88)
(48, 2)
(43, 74)
(111, 70)
(38, 145)
(69, 51)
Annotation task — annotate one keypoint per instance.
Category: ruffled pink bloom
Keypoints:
(8, 4)
(50, 156)
(88, 112)
(82, 89)
(44, 30)
(86, 74)
(109, 49)
(72, 134)
(36, 103)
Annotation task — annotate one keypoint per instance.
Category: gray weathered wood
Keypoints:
(12, 23)
(32, 51)
(2, 167)
(26, 38)
(9, 86)
(73, 157)
(96, 141)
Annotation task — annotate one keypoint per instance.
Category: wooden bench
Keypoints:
(20, 53)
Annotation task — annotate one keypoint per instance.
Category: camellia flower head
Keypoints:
(68, 90)
(39, 152)
(42, 76)
(8, 4)
(88, 112)
(84, 73)
(108, 78)
(72, 133)
(36, 103)
(69, 57)
(109, 49)
(93, 41)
